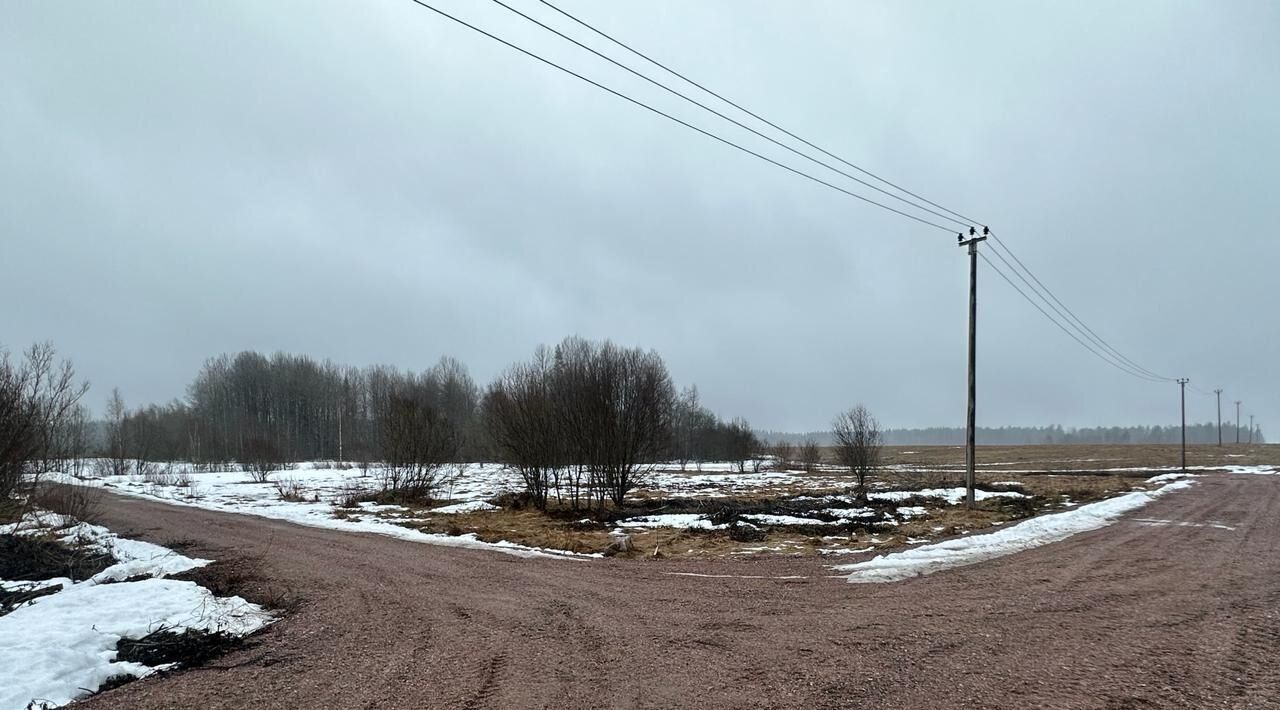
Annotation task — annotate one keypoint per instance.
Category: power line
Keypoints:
(1103, 349)
(1118, 365)
(1038, 287)
(968, 221)
(734, 121)
(1083, 327)
(1059, 308)
(682, 122)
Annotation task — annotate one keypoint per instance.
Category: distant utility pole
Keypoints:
(972, 422)
(1219, 393)
(1182, 383)
(1237, 421)
(1251, 430)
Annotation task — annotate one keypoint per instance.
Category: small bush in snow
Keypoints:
(291, 489)
(73, 500)
(262, 459)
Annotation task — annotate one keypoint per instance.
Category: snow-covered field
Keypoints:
(61, 646)
(1025, 535)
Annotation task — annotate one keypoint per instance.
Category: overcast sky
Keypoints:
(370, 183)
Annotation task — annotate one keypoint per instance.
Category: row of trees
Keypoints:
(295, 408)
(581, 421)
(584, 422)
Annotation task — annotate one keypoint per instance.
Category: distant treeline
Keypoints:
(1206, 433)
(299, 408)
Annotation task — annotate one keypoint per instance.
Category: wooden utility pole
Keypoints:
(1219, 393)
(971, 424)
(1250, 430)
(1237, 421)
(1182, 383)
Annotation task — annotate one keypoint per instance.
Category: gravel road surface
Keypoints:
(1134, 615)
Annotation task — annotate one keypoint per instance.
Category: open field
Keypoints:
(1085, 458)
(714, 511)
(1173, 607)
(736, 542)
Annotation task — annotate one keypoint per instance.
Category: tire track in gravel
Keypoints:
(1128, 616)
(488, 683)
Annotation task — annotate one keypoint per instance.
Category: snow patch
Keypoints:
(766, 519)
(671, 520)
(953, 496)
(58, 646)
(470, 506)
(1023, 536)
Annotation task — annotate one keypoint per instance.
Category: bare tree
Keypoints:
(523, 427)
(858, 440)
(417, 441)
(741, 442)
(684, 426)
(72, 441)
(37, 399)
(782, 452)
(116, 454)
(583, 413)
(810, 455)
(639, 403)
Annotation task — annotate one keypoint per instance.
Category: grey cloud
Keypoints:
(369, 183)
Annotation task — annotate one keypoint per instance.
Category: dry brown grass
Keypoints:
(1052, 475)
(1068, 458)
(524, 527)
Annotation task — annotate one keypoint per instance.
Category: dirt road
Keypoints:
(1135, 615)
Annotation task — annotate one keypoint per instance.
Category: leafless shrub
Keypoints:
(351, 496)
(164, 474)
(102, 468)
(858, 438)
(209, 466)
(262, 459)
(810, 455)
(84, 503)
(742, 442)
(38, 398)
(291, 489)
(782, 452)
(623, 401)
(519, 411)
(417, 441)
(584, 414)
